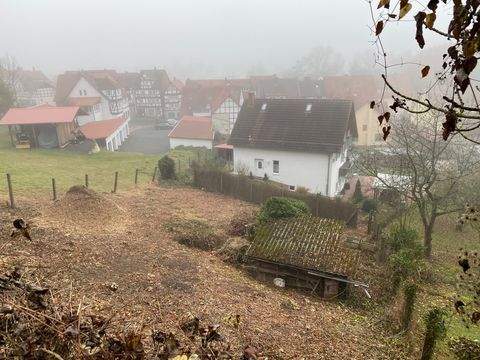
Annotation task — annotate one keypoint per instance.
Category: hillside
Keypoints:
(86, 241)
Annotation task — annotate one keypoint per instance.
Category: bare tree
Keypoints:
(426, 171)
(320, 61)
(459, 105)
(10, 75)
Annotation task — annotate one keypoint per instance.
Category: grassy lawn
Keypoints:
(32, 170)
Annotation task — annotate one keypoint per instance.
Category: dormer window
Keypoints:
(308, 109)
(264, 107)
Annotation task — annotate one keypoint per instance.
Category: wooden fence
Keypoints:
(257, 191)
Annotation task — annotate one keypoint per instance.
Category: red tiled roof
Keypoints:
(193, 127)
(178, 84)
(361, 89)
(43, 114)
(84, 101)
(101, 129)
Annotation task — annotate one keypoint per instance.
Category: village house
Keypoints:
(195, 131)
(43, 126)
(109, 134)
(149, 97)
(173, 99)
(100, 96)
(295, 142)
(32, 88)
(130, 81)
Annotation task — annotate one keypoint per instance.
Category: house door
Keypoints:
(259, 168)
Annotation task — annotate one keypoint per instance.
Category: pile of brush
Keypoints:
(33, 326)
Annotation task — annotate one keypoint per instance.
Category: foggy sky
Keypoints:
(215, 37)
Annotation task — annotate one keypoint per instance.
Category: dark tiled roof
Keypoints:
(286, 125)
(307, 242)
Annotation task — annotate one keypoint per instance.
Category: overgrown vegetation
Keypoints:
(281, 208)
(465, 349)
(166, 166)
(434, 331)
(409, 296)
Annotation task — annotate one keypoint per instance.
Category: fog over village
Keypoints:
(247, 180)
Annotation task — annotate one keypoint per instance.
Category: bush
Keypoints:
(302, 190)
(194, 232)
(410, 294)
(465, 349)
(401, 237)
(434, 330)
(281, 208)
(369, 205)
(357, 196)
(166, 166)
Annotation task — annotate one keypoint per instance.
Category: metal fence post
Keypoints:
(115, 184)
(54, 189)
(10, 191)
(136, 176)
(86, 180)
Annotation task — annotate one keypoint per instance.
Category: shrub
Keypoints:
(369, 206)
(434, 330)
(265, 177)
(401, 237)
(166, 166)
(282, 207)
(194, 232)
(357, 196)
(410, 294)
(465, 349)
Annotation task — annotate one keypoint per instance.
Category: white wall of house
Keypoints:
(115, 140)
(174, 142)
(84, 89)
(309, 170)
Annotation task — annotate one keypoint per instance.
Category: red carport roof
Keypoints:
(193, 127)
(101, 129)
(42, 114)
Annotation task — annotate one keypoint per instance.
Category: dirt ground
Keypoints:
(84, 242)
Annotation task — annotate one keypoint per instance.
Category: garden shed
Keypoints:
(306, 252)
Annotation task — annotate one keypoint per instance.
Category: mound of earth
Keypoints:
(85, 211)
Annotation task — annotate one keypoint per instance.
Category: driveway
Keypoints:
(147, 140)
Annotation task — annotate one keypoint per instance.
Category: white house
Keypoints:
(295, 142)
(193, 131)
(101, 99)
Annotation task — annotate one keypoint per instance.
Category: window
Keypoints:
(308, 108)
(276, 166)
(264, 107)
(364, 127)
(259, 163)
(291, 187)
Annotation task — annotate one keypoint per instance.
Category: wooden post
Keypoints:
(54, 189)
(221, 182)
(316, 205)
(115, 184)
(10, 191)
(198, 156)
(154, 173)
(179, 166)
(11, 135)
(189, 162)
(86, 180)
(136, 176)
(251, 191)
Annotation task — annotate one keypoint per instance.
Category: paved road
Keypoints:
(146, 140)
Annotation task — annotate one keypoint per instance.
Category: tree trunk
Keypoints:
(427, 236)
